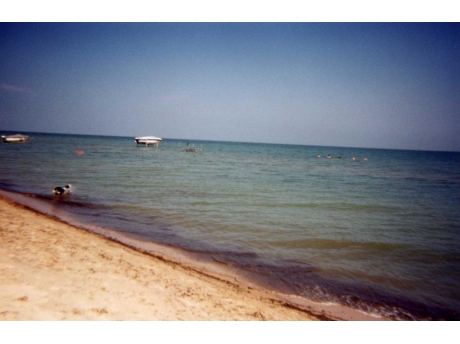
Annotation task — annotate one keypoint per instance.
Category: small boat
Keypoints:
(18, 138)
(147, 140)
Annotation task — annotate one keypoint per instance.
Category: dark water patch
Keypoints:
(306, 281)
(9, 186)
(328, 244)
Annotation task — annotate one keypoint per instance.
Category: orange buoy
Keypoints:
(79, 152)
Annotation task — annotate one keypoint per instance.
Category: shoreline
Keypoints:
(57, 271)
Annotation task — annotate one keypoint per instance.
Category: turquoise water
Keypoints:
(380, 233)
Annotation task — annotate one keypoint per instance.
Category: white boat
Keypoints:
(18, 138)
(147, 140)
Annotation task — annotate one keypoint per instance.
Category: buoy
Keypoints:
(79, 152)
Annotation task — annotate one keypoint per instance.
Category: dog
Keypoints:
(61, 191)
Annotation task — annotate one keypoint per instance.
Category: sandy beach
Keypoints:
(53, 271)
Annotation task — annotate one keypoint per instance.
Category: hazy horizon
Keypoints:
(193, 141)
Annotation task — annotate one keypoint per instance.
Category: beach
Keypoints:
(329, 238)
(54, 271)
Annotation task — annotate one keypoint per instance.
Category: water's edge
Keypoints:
(213, 269)
(372, 230)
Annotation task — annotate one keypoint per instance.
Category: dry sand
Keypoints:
(53, 271)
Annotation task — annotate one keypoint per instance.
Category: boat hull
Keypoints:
(147, 140)
(15, 138)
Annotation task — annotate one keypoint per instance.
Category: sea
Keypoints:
(375, 230)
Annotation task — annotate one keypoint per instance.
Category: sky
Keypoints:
(375, 85)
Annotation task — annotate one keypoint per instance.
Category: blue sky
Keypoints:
(378, 85)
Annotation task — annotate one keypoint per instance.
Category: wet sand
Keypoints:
(54, 271)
